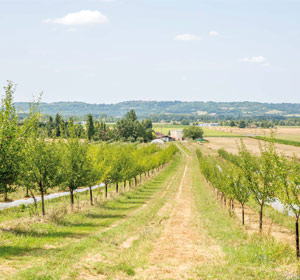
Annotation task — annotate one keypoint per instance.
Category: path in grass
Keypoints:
(182, 246)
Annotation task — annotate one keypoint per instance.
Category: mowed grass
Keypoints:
(247, 256)
(47, 248)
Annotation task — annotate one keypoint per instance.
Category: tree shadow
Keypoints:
(104, 216)
(7, 251)
(33, 233)
(131, 201)
(70, 224)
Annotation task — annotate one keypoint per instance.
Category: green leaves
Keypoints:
(193, 132)
(10, 142)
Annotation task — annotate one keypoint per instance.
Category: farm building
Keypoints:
(177, 134)
(208, 124)
(164, 137)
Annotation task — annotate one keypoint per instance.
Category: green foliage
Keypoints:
(259, 172)
(75, 165)
(235, 159)
(185, 122)
(41, 166)
(12, 137)
(242, 124)
(193, 132)
(178, 110)
(90, 130)
(130, 129)
(32, 157)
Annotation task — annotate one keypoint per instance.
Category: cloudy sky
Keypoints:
(106, 51)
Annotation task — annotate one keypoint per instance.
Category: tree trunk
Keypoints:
(135, 181)
(117, 187)
(106, 190)
(27, 194)
(91, 195)
(129, 183)
(140, 178)
(34, 199)
(43, 202)
(232, 204)
(72, 197)
(243, 214)
(225, 200)
(5, 196)
(261, 217)
(297, 236)
(124, 185)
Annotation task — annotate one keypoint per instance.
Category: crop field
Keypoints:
(281, 132)
(231, 145)
(208, 132)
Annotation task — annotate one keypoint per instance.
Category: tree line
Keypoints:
(30, 159)
(266, 178)
(127, 129)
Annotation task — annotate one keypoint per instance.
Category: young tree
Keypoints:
(11, 134)
(288, 182)
(59, 125)
(90, 129)
(41, 166)
(76, 168)
(239, 188)
(259, 175)
(50, 126)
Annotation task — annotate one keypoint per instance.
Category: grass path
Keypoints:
(182, 246)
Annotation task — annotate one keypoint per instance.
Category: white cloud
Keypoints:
(253, 59)
(79, 18)
(187, 37)
(214, 33)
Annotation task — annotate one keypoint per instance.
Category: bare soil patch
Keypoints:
(231, 145)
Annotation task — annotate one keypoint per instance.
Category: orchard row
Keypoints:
(266, 178)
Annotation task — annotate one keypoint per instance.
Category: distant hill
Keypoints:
(146, 108)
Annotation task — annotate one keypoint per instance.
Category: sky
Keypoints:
(108, 51)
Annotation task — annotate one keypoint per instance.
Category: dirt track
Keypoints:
(181, 246)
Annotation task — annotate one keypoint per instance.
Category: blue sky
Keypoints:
(107, 51)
